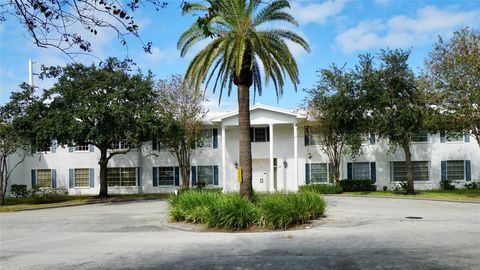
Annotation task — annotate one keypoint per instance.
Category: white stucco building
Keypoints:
(283, 159)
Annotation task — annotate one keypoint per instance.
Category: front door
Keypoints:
(260, 172)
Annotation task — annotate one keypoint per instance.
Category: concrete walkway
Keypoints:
(359, 233)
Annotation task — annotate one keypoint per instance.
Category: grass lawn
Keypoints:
(14, 204)
(456, 195)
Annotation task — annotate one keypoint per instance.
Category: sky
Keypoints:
(337, 31)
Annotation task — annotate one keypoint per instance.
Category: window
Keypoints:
(205, 175)
(368, 138)
(455, 138)
(455, 170)
(166, 176)
(261, 134)
(43, 150)
(419, 171)
(206, 139)
(360, 170)
(319, 172)
(121, 145)
(421, 136)
(124, 177)
(44, 178)
(82, 177)
(82, 148)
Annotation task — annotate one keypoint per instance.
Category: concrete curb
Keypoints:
(400, 198)
(85, 203)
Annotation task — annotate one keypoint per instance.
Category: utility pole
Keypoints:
(30, 72)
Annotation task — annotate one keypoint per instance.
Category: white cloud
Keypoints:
(170, 55)
(403, 31)
(315, 12)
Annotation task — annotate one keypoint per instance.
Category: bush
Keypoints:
(48, 195)
(357, 185)
(447, 185)
(321, 188)
(401, 187)
(232, 212)
(19, 190)
(192, 205)
(472, 185)
(283, 210)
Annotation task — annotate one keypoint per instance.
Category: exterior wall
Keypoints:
(283, 142)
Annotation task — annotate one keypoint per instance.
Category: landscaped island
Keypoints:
(230, 211)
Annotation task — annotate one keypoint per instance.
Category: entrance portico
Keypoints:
(274, 149)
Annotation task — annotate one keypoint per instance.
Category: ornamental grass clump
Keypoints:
(232, 212)
(192, 205)
(284, 210)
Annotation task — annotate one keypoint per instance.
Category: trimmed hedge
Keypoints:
(322, 188)
(357, 185)
(230, 211)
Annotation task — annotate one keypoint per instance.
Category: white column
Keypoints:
(271, 186)
(224, 158)
(295, 154)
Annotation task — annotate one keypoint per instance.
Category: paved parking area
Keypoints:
(358, 233)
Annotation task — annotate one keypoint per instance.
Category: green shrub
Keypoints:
(232, 212)
(447, 185)
(357, 185)
(321, 188)
(19, 190)
(49, 195)
(192, 205)
(402, 186)
(283, 210)
(472, 185)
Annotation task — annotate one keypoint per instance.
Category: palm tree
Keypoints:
(242, 41)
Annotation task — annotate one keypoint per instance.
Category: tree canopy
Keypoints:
(93, 105)
(452, 76)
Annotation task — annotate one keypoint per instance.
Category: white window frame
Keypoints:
(416, 181)
(120, 177)
(203, 138)
(464, 170)
(418, 135)
(121, 145)
(450, 139)
(253, 139)
(75, 178)
(213, 175)
(328, 173)
(158, 176)
(369, 170)
(38, 179)
(77, 148)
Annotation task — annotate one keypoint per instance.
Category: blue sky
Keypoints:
(337, 32)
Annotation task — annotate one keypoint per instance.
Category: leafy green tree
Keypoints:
(13, 146)
(395, 105)
(240, 46)
(453, 78)
(98, 105)
(182, 111)
(335, 120)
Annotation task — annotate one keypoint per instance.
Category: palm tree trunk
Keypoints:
(245, 141)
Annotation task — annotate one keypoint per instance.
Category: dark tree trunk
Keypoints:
(245, 142)
(103, 162)
(185, 172)
(3, 179)
(408, 165)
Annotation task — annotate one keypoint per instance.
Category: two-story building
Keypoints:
(284, 158)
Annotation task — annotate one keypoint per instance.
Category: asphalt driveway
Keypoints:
(358, 233)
